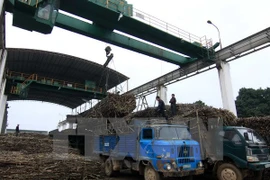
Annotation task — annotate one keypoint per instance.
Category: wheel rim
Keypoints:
(228, 174)
(150, 174)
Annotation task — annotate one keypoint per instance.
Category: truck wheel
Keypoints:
(228, 171)
(150, 173)
(108, 167)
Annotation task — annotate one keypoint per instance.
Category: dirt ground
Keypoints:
(38, 157)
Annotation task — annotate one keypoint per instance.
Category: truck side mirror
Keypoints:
(246, 136)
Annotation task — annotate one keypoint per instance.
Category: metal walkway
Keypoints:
(237, 50)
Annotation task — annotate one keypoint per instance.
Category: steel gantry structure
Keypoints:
(103, 19)
(248, 45)
(107, 20)
(112, 21)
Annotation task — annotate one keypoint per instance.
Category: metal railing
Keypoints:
(51, 81)
(171, 29)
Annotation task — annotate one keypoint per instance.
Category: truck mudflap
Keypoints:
(182, 173)
(259, 166)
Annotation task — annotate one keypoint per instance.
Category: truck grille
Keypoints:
(185, 151)
(186, 160)
(262, 157)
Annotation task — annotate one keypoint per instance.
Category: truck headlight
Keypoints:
(252, 159)
(168, 166)
(200, 164)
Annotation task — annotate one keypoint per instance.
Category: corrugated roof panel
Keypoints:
(61, 67)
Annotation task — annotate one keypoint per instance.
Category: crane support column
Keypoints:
(226, 87)
(3, 114)
(162, 93)
(3, 98)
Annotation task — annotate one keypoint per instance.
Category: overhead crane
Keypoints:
(103, 18)
(106, 17)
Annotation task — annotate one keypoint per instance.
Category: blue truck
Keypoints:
(152, 148)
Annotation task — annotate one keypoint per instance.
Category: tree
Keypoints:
(251, 102)
(200, 103)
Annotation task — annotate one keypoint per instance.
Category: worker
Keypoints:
(173, 105)
(161, 107)
(17, 131)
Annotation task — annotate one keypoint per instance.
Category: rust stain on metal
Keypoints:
(160, 164)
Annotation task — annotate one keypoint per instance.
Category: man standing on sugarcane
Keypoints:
(173, 105)
(161, 107)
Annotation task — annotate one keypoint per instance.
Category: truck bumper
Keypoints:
(259, 166)
(182, 173)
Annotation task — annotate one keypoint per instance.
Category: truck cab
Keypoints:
(169, 150)
(154, 149)
(244, 153)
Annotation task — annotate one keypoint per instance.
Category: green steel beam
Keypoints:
(102, 34)
(49, 83)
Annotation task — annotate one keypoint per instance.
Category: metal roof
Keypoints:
(62, 67)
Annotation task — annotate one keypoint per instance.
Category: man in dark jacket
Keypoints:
(173, 104)
(161, 107)
(17, 131)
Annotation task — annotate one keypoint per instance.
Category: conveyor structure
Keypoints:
(237, 50)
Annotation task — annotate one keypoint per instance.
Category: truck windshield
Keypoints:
(173, 133)
(251, 137)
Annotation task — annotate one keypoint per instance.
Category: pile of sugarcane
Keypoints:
(260, 124)
(114, 105)
(31, 156)
(191, 110)
(207, 112)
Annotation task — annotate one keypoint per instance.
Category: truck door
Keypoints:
(147, 136)
(233, 146)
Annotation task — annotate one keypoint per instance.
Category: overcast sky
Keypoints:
(235, 19)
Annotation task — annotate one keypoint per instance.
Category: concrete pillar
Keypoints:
(3, 56)
(3, 98)
(1, 5)
(3, 120)
(226, 87)
(162, 93)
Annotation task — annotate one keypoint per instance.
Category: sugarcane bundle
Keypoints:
(192, 110)
(114, 105)
(208, 112)
(148, 112)
(260, 124)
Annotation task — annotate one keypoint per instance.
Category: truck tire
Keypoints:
(108, 168)
(150, 173)
(228, 171)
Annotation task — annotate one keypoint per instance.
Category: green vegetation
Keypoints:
(251, 102)
(200, 103)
